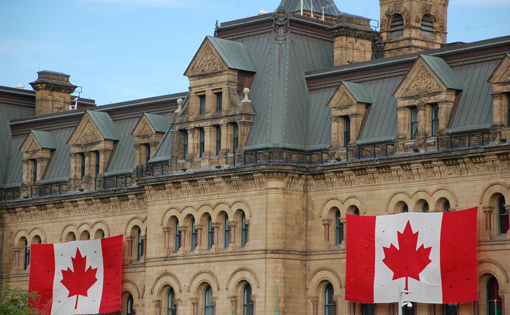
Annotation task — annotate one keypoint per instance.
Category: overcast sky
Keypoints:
(120, 50)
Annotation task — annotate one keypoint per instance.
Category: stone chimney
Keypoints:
(53, 92)
(353, 39)
(409, 26)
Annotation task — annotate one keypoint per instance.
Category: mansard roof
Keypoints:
(45, 139)
(329, 6)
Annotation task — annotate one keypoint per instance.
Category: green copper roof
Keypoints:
(45, 139)
(235, 54)
(444, 72)
(360, 93)
(105, 125)
(159, 123)
(329, 6)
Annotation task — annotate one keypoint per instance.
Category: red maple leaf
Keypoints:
(79, 282)
(407, 261)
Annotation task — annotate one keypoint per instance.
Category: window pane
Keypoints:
(503, 216)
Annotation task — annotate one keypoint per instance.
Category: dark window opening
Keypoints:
(194, 236)
(184, 144)
(227, 230)
(414, 122)
(339, 229)
(244, 231)
(201, 142)
(218, 140)
(347, 131)
(329, 301)
(502, 216)
(397, 25)
(210, 234)
(219, 100)
(427, 25)
(435, 120)
(178, 235)
(202, 104)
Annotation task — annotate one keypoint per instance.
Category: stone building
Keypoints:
(290, 123)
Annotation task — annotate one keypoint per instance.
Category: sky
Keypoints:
(121, 50)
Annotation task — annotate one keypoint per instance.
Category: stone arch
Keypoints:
(396, 200)
(241, 205)
(38, 232)
(172, 212)
(131, 287)
(440, 196)
(243, 274)
(65, 232)
(204, 212)
(82, 229)
(320, 275)
(166, 278)
(350, 203)
(201, 277)
(330, 204)
(418, 199)
(19, 235)
(487, 198)
(221, 207)
(136, 221)
(100, 225)
(494, 268)
(186, 213)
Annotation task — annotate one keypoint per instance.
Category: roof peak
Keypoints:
(315, 6)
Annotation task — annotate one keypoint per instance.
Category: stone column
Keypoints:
(232, 244)
(335, 134)
(210, 142)
(157, 304)
(244, 128)
(445, 111)
(130, 246)
(356, 120)
(193, 143)
(326, 224)
(17, 252)
(233, 301)
(194, 303)
(167, 230)
(315, 304)
(183, 229)
(404, 127)
(488, 218)
(226, 145)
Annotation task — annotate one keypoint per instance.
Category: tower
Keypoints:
(409, 26)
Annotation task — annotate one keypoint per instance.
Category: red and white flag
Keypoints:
(82, 277)
(433, 255)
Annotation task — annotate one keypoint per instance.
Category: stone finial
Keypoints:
(246, 92)
(179, 109)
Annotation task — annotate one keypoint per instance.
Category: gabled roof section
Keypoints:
(105, 125)
(330, 7)
(217, 55)
(359, 92)
(45, 139)
(93, 127)
(159, 123)
(502, 72)
(428, 75)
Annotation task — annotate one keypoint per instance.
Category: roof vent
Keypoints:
(20, 86)
(262, 12)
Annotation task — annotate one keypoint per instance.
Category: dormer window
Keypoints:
(347, 131)
(97, 168)
(435, 120)
(218, 140)
(34, 172)
(397, 25)
(184, 134)
(219, 101)
(147, 153)
(427, 25)
(202, 104)
(202, 142)
(414, 122)
(235, 138)
(508, 109)
(82, 165)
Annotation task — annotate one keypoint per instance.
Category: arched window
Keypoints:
(85, 235)
(139, 244)
(210, 234)
(339, 229)
(356, 211)
(494, 303)
(171, 307)
(26, 255)
(329, 301)
(427, 25)
(226, 232)
(177, 237)
(244, 231)
(397, 25)
(446, 206)
(70, 237)
(130, 310)
(208, 302)
(405, 208)
(99, 234)
(425, 207)
(194, 236)
(82, 165)
(247, 302)
(502, 216)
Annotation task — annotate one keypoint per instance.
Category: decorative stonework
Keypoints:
(210, 62)
(423, 83)
(90, 134)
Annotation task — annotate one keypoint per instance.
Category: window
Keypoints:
(247, 302)
(450, 309)
(405, 208)
(397, 25)
(508, 110)
(427, 25)
(139, 243)
(244, 231)
(201, 142)
(502, 216)
(171, 307)
(218, 140)
(367, 309)
(82, 168)
(446, 206)
(70, 237)
(99, 234)
(494, 303)
(339, 229)
(34, 172)
(227, 232)
(26, 260)
(184, 144)
(329, 301)
(219, 100)
(347, 131)
(202, 104)
(97, 164)
(208, 302)
(425, 207)
(178, 235)
(435, 120)
(85, 236)
(414, 122)
(235, 136)
(147, 154)
(129, 306)
(355, 211)
(194, 235)
(210, 234)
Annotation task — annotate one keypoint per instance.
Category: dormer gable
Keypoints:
(148, 133)
(92, 147)
(38, 149)
(349, 107)
(500, 80)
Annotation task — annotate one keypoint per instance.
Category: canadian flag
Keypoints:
(82, 277)
(432, 255)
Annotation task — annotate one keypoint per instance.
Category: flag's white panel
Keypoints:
(62, 304)
(428, 226)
